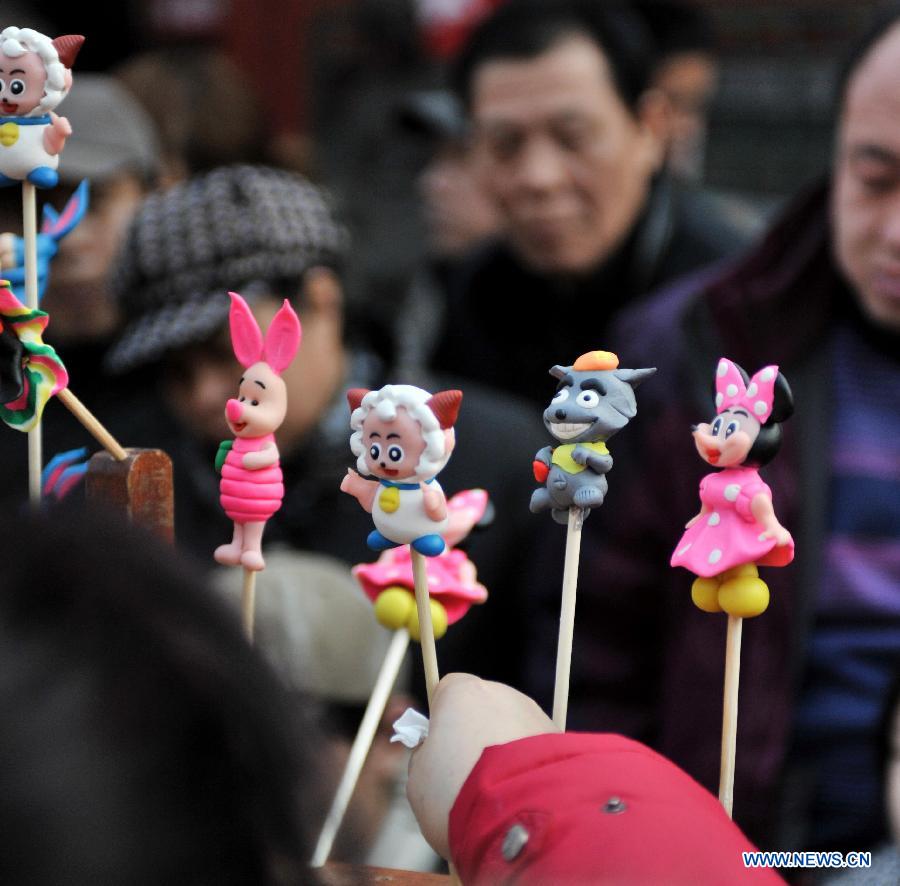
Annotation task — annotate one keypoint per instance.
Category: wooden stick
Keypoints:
(567, 618)
(29, 236)
(365, 735)
(426, 629)
(248, 602)
(730, 711)
(92, 425)
(426, 641)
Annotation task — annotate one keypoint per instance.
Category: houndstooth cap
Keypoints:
(234, 228)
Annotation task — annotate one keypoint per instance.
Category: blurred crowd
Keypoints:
(463, 195)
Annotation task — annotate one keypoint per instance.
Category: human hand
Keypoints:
(467, 715)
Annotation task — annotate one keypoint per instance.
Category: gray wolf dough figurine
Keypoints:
(593, 401)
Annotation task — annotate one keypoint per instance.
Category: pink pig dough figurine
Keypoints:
(402, 436)
(35, 76)
(251, 487)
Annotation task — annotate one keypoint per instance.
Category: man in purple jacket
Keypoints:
(819, 297)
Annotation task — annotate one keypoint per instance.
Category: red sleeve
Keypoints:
(579, 808)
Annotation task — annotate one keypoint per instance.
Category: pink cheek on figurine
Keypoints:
(735, 449)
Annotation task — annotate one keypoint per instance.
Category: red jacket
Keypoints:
(573, 808)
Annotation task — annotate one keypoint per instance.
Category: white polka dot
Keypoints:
(732, 491)
(752, 389)
(719, 400)
(760, 408)
(433, 580)
(715, 555)
(714, 519)
(731, 390)
(722, 368)
(684, 550)
(767, 374)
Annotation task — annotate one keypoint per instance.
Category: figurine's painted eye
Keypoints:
(254, 402)
(241, 398)
(716, 427)
(17, 87)
(730, 428)
(2, 85)
(395, 454)
(588, 399)
(561, 395)
(375, 451)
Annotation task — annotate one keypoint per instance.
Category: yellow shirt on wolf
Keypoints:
(562, 456)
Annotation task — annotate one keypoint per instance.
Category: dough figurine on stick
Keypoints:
(403, 436)
(251, 488)
(594, 400)
(390, 584)
(31, 372)
(35, 76)
(736, 529)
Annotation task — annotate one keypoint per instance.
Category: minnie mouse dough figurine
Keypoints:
(736, 529)
(251, 487)
(403, 436)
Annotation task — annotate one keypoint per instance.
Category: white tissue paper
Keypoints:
(411, 728)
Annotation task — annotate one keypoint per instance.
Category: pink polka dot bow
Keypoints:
(755, 397)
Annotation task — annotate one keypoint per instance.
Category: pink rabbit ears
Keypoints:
(279, 346)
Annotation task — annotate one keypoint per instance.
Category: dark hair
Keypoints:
(524, 29)
(677, 27)
(144, 741)
(884, 19)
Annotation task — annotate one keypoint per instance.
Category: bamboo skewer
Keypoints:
(567, 618)
(29, 236)
(92, 425)
(359, 751)
(730, 711)
(426, 629)
(248, 602)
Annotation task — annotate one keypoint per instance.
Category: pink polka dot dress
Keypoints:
(729, 535)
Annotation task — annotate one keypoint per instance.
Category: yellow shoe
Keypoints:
(744, 596)
(438, 621)
(392, 607)
(705, 594)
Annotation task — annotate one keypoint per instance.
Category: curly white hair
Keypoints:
(17, 41)
(385, 402)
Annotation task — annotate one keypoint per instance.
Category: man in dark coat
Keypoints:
(569, 138)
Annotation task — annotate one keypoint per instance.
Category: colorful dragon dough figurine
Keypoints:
(251, 487)
(403, 436)
(31, 372)
(35, 76)
(736, 529)
(594, 400)
(452, 578)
